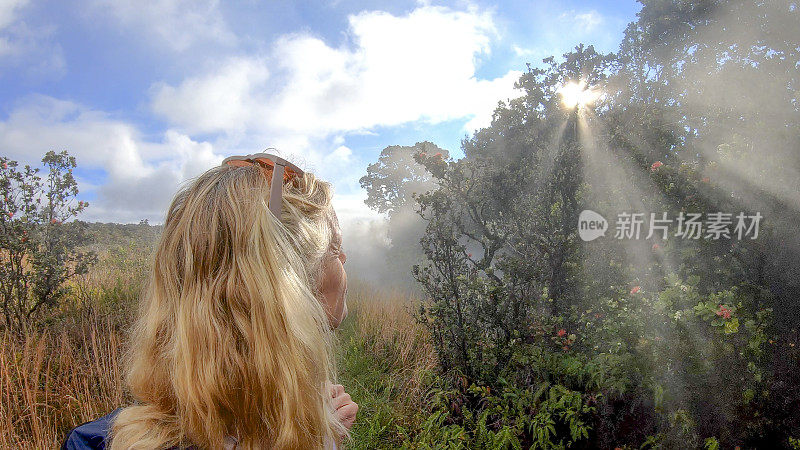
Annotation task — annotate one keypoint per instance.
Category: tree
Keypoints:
(39, 249)
(392, 180)
(391, 184)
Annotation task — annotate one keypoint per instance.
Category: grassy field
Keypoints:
(384, 360)
(68, 372)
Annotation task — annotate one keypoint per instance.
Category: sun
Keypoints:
(576, 95)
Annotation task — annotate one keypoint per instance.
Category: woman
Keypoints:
(233, 342)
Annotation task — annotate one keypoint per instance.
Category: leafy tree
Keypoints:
(392, 181)
(391, 184)
(501, 239)
(39, 247)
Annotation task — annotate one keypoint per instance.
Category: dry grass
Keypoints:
(66, 370)
(54, 380)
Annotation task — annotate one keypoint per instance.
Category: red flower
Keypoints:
(53, 221)
(656, 165)
(656, 247)
(10, 214)
(469, 255)
(561, 332)
(636, 289)
(5, 166)
(438, 154)
(724, 312)
(706, 179)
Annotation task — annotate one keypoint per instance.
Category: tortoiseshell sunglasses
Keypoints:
(274, 164)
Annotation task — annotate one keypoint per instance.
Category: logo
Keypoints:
(591, 225)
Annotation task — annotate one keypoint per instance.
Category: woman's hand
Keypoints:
(345, 407)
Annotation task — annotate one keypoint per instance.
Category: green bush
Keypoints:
(40, 250)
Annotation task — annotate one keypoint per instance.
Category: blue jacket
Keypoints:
(90, 435)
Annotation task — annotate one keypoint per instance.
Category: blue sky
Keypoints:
(149, 94)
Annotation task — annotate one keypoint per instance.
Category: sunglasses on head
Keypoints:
(271, 165)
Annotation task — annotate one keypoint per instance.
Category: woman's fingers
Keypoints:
(344, 405)
(347, 414)
(337, 390)
(341, 400)
(348, 411)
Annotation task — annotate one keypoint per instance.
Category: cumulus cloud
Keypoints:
(341, 156)
(227, 100)
(140, 175)
(177, 24)
(304, 94)
(393, 70)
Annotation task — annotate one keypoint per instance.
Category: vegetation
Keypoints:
(68, 371)
(546, 341)
(40, 251)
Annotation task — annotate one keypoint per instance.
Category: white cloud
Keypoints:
(8, 11)
(228, 99)
(588, 21)
(141, 175)
(25, 48)
(177, 24)
(302, 96)
(340, 156)
(519, 51)
(397, 69)
(584, 22)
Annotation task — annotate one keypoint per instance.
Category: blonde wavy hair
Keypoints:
(231, 337)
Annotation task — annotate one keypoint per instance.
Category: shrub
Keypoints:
(38, 247)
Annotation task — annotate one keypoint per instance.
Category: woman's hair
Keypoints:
(231, 338)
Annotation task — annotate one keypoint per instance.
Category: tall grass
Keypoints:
(385, 358)
(53, 380)
(66, 371)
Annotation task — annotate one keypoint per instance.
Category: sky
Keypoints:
(147, 95)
